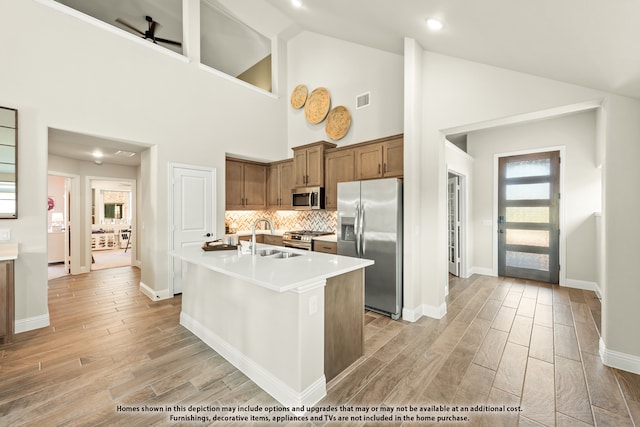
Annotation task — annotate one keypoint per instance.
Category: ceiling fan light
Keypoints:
(97, 154)
(434, 24)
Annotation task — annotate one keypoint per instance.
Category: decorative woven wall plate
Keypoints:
(298, 96)
(317, 105)
(338, 122)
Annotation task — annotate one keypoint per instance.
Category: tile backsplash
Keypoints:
(283, 220)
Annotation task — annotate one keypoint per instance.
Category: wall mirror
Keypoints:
(8, 163)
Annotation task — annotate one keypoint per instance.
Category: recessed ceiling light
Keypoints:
(434, 24)
(296, 3)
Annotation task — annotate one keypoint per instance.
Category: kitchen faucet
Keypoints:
(253, 233)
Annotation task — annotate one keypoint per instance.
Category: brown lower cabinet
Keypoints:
(6, 302)
(326, 247)
(343, 305)
(270, 239)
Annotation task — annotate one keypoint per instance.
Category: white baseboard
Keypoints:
(584, 285)
(264, 379)
(482, 270)
(31, 323)
(615, 359)
(412, 315)
(154, 295)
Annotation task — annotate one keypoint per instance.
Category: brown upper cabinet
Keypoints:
(339, 167)
(308, 164)
(279, 185)
(380, 159)
(246, 185)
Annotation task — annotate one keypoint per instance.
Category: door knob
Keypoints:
(207, 235)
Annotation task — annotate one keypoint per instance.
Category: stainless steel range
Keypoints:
(301, 239)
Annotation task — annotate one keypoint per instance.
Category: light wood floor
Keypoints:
(502, 342)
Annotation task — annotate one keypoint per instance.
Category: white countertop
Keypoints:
(8, 251)
(279, 275)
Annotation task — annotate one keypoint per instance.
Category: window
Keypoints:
(230, 46)
(113, 210)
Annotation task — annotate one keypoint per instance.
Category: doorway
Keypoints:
(58, 230)
(529, 216)
(454, 223)
(112, 213)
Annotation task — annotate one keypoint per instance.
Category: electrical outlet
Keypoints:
(313, 305)
(5, 234)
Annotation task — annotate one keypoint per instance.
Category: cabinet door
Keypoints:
(6, 302)
(369, 162)
(393, 156)
(315, 166)
(273, 187)
(300, 168)
(255, 186)
(339, 167)
(286, 185)
(234, 185)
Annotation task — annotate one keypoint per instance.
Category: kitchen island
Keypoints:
(290, 324)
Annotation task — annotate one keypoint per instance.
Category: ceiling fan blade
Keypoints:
(158, 39)
(152, 27)
(131, 27)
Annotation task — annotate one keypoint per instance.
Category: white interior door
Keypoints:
(453, 221)
(193, 212)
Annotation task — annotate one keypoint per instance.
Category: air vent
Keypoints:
(363, 100)
(121, 153)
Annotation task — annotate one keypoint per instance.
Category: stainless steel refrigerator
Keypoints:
(370, 226)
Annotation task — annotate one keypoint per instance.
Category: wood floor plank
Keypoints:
(572, 397)
(521, 330)
(538, 394)
(541, 346)
(490, 352)
(565, 342)
(511, 370)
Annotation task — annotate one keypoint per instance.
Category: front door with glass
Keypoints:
(528, 216)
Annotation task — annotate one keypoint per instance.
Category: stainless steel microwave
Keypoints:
(308, 198)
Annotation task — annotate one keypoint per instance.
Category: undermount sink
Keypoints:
(269, 252)
(274, 253)
(286, 255)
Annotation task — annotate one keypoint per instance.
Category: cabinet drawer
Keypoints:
(326, 247)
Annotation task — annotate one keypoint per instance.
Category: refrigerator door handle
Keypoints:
(356, 229)
(362, 242)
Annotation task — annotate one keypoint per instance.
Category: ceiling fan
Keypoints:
(150, 33)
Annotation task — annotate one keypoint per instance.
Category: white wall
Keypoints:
(346, 70)
(75, 76)
(581, 195)
(621, 293)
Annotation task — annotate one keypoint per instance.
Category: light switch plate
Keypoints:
(5, 234)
